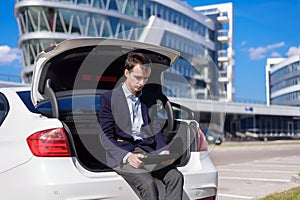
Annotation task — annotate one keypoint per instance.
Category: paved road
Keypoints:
(255, 170)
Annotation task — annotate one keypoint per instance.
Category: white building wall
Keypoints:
(225, 12)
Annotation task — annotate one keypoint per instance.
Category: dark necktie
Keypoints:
(135, 106)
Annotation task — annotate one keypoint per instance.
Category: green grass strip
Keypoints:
(292, 194)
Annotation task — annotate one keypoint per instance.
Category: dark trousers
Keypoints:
(142, 179)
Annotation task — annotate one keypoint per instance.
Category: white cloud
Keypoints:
(243, 43)
(275, 54)
(293, 51)
(8, 54)
(259, 53)
(274, 46)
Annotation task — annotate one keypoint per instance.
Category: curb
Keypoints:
(296, 179)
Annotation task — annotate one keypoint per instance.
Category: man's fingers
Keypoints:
(134, 160)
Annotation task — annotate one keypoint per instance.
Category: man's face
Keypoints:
(137, 78)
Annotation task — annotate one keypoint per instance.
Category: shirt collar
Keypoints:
(127, 93)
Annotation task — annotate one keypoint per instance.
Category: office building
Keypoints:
(222, 14)
(283, 81)
(204, 40)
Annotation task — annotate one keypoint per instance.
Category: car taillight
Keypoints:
(49, 143)
(208, 198)
(202, 146)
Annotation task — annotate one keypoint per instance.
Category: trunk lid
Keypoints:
(89, 64)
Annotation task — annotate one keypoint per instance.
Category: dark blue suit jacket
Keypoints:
(116, 126)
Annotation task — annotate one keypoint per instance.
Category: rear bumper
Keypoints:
(200, 176)
(58, 178)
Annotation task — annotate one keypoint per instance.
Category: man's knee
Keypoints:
(174, 176)
(148, 183)
(147, 189)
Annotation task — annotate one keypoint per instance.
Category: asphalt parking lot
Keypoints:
(255, 170)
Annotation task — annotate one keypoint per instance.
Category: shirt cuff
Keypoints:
(164, 152)
(126, 157)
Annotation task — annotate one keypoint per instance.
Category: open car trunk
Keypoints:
(83, 132)
(69, 80)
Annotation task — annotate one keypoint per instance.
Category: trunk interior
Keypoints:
(83, 132)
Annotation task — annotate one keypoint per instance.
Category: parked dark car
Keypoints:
(212, 137)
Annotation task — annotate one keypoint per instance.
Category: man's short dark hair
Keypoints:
(134, 58)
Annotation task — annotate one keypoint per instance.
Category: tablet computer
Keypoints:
(156, 158)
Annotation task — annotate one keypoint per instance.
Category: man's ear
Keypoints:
(126, 73)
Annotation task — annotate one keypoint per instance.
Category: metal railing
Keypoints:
(10, 78)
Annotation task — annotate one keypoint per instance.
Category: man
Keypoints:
(128, 132)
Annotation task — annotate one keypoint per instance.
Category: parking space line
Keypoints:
(278, 165)
(256, 179)
(263, 171)
(235, 196)
(259, 165)
(279, 162)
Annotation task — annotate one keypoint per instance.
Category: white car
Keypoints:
(49, 132)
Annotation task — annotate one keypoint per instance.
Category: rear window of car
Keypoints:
(4, 107)
(25, 97)
(72, 105)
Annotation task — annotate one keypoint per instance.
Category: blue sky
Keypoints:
(262, 29)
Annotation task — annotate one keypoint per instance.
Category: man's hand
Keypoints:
(134, 160)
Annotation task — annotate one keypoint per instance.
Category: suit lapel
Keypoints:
(144, 113)
(121, 110)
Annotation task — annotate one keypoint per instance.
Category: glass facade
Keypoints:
(52, 21)
(286, 83)
(285, 78)
(286, 71)
(267, 126)
(292, 98)
(183, 45)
